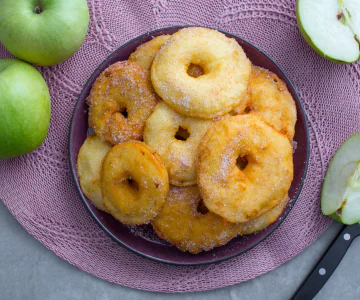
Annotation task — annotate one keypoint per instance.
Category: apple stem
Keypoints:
(38, 10)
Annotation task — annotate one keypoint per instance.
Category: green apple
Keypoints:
(43, 32)
(340, 196)
(331, 27)
(24, 108)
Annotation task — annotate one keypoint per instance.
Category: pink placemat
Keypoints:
(38, 188)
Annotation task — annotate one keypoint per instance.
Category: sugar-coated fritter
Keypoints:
(180, 223)
(175, 138)
(241, 195)
(144, 54)
(134, 183)
(89, 162)
(269, 99)
(120, 102)
(215, 93)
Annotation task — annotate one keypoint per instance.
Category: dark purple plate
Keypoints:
(141, 239)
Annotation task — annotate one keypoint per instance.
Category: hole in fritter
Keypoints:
(195, 70)
(201, 208)
(241, 162)
(124, 112)
(182, 134)
(133, 184)
(247, 110)
(107, 74)
(275, 79)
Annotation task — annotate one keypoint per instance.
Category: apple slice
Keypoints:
(331, 27)
(340, 196)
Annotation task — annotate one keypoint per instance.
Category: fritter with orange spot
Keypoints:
(134, 183)
(270, 100)
(240, 194)
(180, 223)
(185, 222)
(121, 100)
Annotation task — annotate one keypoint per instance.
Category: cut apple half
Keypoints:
(331, 27)
(340, 196)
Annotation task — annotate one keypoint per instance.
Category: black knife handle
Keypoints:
(328, 263)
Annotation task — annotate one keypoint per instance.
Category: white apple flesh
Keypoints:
(43, 32)
(340, 196)
(331, 27)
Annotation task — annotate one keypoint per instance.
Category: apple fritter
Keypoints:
(89, 163)
(269, 99)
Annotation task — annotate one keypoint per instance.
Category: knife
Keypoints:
(328, 263)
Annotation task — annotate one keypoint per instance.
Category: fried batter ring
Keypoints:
(269, 99)
(144, 54)
(241, 195)
(120, 102)
(226, 73)
(165, 132)
(185, 222)
(180, 223)
(134, 183)
(260, 223)
(89, 162)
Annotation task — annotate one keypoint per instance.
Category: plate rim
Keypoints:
(150, 257)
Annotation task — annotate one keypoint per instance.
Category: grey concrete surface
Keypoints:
(28, 271)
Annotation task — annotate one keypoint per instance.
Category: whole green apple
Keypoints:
(24, 108)
(43, 32)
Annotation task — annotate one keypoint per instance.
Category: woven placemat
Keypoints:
(38, 188)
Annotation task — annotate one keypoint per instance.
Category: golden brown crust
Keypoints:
(244, 107)
(120, 102)
(89, 162)
(134, 183)
(181, 224)
(269, 99)
(243, 167)
(145, 53)
(260, 223)
(221, 87)
(241, 195)
(178, 155)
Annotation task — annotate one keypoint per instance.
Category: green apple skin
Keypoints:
(309, 41)
(338, 218)
(46, 38)
(340, 190)
(24, 108)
